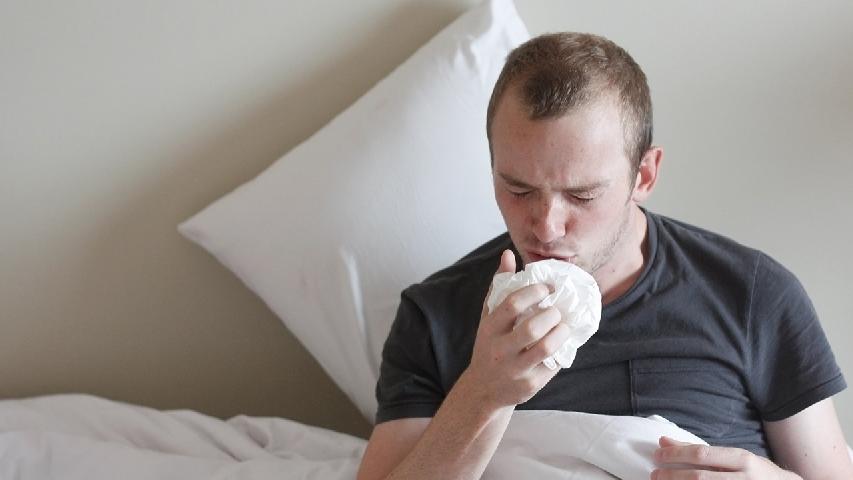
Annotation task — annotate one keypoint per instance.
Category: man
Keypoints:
(712, 335)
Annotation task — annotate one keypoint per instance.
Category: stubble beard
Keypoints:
(604, 254)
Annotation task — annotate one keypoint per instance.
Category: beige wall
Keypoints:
(119, 120)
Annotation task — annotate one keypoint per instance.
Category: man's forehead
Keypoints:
(583, 147)
(595, 121)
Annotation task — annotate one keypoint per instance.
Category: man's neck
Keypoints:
(619, 275)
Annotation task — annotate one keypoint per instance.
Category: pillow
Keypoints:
(394, 188)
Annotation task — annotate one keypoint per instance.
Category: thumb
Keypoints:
(507, 262)
(507, 265)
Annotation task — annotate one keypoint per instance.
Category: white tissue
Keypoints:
(575, 294)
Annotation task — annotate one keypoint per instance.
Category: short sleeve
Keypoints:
(409, 384)
(792, 364)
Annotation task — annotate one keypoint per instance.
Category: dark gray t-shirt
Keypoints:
(713, 336)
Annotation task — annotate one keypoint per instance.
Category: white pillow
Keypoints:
(394, 188)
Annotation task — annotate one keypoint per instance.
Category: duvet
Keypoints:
(81, 437)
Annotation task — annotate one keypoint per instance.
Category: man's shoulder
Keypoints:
(714, 250)
(469, 272)
(685, 236)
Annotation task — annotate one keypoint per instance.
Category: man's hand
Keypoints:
(505, 370)
(680, 460)
(506, 366)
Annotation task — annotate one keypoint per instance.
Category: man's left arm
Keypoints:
(809, 443)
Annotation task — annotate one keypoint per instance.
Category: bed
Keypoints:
(89, 438)
(335, 285)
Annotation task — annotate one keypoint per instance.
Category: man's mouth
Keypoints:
(538, 255)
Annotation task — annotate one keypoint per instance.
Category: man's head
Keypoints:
(557, 73)
(569, 131)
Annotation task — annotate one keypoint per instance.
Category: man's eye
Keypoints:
(519, 193)
(584, 199)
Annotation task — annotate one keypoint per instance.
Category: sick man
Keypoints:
(714, 336)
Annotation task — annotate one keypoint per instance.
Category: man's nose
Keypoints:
(549, 221)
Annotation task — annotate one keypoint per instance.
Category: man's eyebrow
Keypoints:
(589, 187)
(514, 181)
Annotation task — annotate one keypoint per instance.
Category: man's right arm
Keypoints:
(505, 369)
(457, 443)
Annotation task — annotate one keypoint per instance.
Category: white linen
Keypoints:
(88, 438)
(80, 437)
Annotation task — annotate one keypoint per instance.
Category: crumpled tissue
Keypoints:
(575, 294)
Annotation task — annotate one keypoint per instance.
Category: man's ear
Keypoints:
(647, 174)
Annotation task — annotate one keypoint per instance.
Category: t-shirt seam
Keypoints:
(404, 410)
(749, 323)
(632, 379)
(389, 406)
(804, 397)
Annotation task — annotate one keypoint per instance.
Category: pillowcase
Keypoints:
(394, 188)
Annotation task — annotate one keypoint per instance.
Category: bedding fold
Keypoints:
(77, 437)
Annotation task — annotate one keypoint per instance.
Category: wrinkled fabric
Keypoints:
(81, 437)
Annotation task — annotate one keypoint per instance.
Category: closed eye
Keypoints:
(582, 198)
(519, 193)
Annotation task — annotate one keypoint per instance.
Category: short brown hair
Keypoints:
(559, 72)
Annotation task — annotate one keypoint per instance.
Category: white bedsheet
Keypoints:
(80, 437)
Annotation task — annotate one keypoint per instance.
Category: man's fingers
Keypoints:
(532, 329)
(544, 373)
(665, 441)
(547, 345)
(517, 303)
(692, 474)
(733, 459)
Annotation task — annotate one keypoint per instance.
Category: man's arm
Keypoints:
(389, 444)
(505, 370)
(457, 443)
(809, 443)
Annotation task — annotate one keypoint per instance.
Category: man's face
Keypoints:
(563, 184)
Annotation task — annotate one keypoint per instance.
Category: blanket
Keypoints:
(84, 437)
